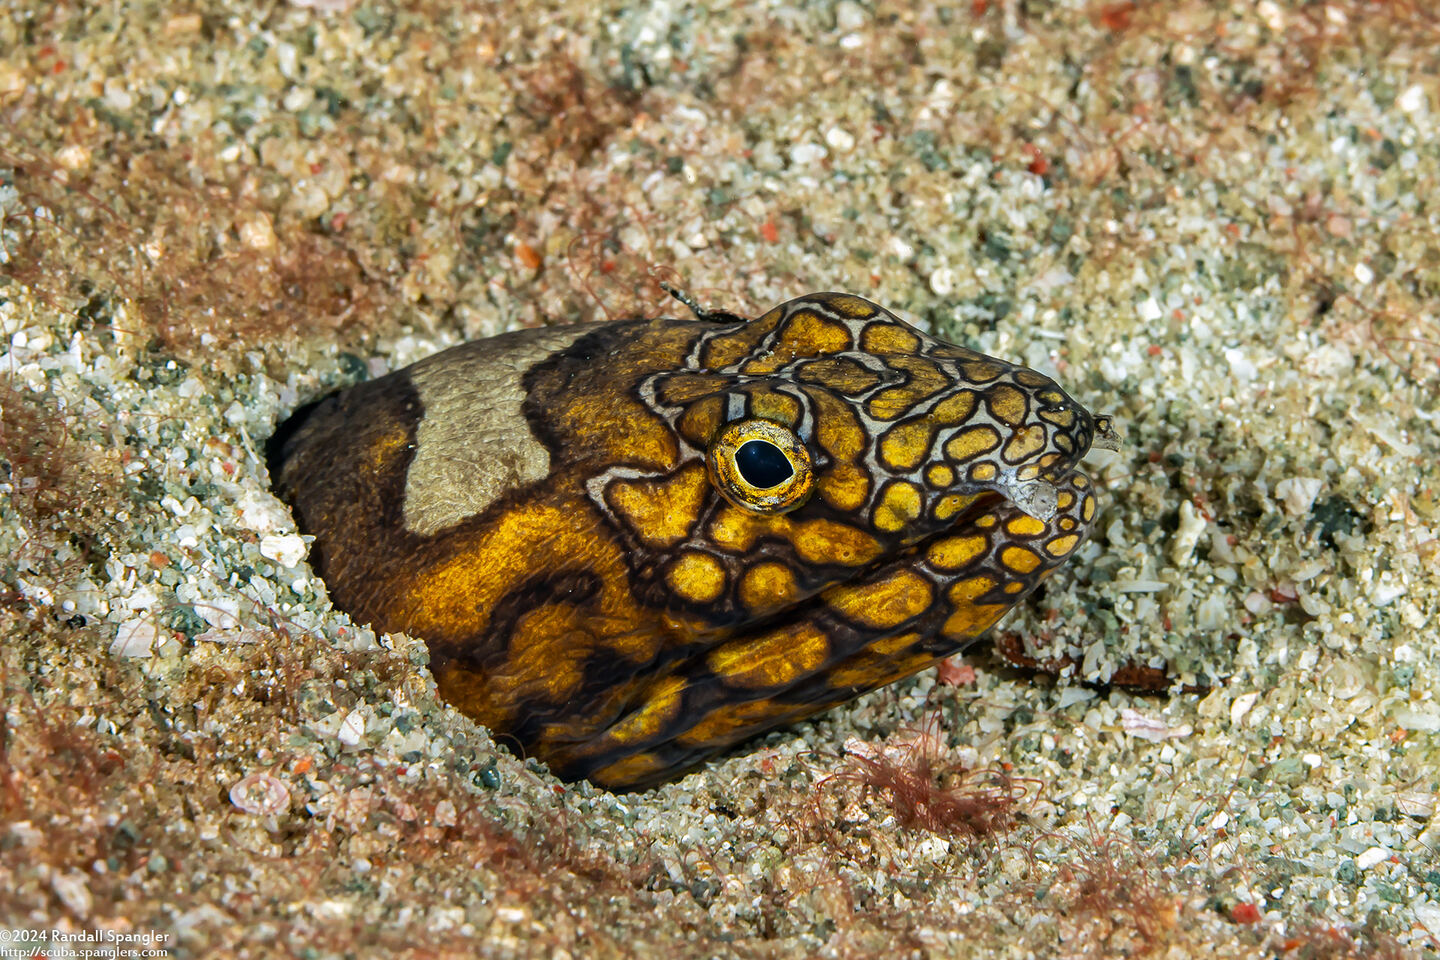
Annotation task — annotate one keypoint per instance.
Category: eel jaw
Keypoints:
(1039, 498)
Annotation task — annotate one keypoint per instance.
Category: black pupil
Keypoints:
(762, 464)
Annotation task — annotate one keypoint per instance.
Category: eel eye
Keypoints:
(761, 465)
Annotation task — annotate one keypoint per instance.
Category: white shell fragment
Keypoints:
(1372, 857)
(136, 638)
(74, 892)
(1298, 494)
(285, 549)
(260, 794)
(1192, 524)
(352, 729)
(1136, 724)
(264, 513)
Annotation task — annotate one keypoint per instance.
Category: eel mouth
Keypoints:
(1036, 498)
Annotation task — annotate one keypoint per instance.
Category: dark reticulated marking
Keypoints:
(541, 508)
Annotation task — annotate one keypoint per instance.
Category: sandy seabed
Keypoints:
(1216, 222)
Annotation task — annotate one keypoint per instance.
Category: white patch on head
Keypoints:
(473, 442)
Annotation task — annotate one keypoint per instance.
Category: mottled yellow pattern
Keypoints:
(740, 523)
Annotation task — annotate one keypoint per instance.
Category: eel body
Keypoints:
(630, 545)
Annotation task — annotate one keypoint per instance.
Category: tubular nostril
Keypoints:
(1106, 436)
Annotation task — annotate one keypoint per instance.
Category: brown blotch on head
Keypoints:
(969, 444)
(949, 506)
(696, 576)
(821, 541)
(774, 405)
(1021, 560)
(883, 338)
(925, 380)
(545, 663)
(954, 409)
(682, 388)
(767, 586)
(939, 475)
(900, 503)
(840, 374)
(1026, 442)
(729, 349)
(885, 603)
(483, 566)
(587, 430)
(735, 530)
(1007, 404)
(956, 553)
(1030, 378)
(837, 428)
(1022, 525)
(906, 445)
(1061, 418)
(1060, 546)
(847, 305)
(805, 334)
(661, 512)
(701, 420)
(845, 486)
(981, 371)
(983, 472)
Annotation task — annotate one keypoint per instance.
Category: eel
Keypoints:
(631, 545)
